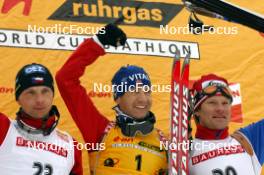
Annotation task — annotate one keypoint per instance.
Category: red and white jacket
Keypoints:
(54, 154)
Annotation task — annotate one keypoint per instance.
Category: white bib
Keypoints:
(222, 157)
(49, 155)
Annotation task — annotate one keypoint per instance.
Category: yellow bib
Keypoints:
(139, 155)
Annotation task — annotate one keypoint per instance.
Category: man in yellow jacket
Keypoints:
(131, 144)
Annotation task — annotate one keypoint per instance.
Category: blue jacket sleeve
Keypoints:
(255, 134)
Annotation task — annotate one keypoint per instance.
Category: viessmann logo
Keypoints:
(137, 13)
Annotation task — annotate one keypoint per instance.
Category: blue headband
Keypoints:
(127, 77)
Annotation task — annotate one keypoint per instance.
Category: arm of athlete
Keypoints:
(4, 125)
(88, 119)
(255, 134)
(77, 167)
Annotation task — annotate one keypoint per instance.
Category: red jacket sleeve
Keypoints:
(4, 125)
(77, 168)
(88, 119)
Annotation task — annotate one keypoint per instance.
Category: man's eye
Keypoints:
(225, 103)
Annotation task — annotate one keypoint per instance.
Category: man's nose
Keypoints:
(39, 98)
(220, 107)
(142, 96)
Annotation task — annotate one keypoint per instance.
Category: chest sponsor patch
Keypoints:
(21, 142)
(236, 149)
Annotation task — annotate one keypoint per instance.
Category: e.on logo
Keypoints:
(123, 139)
(9, 4)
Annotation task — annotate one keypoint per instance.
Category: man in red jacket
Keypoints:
(31, 144)
(132, 144)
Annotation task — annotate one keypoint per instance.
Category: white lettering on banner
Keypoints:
(135, 46)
